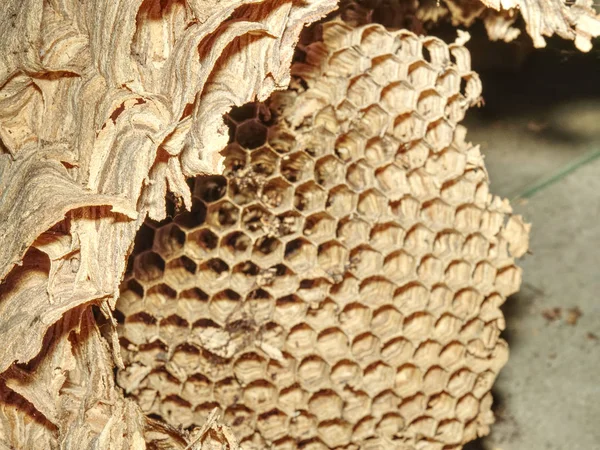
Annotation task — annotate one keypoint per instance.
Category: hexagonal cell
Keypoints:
(272, 425)
(397, 351)
(244, 276)
(441, 406)
(458, 273)
(241, 419)
(484, 276)
(467, 408)
(296, 167)
(290, 310)
(140, 328)
(378, 377)
(360, 175)
(430, 270)
(475, 246)
(406, 210)
(144, 238)
(398, 266)
(192, 219)
(508, 280)
(223, 304)
(329, 171)
(373, 204)
(346, 373)
(364, 261)
(461, 382)
(281, 140)
(203, 410)
(260, 395)
(326, 405)
(419, 240)
(235, 246)
(408, 380)
(227, 391)
(411, 297)
(447, 244)
(196, 387)
(386, 236)
(256, 219)
(326, 119)
(418, 324)
(438, 214)
(302, 426)
(333, 258)
(235, 159)
(201, 243)
(352, 230)
(363, 91)
(174, 329)
(192, 304)
(391, 179)
(427, 353)
(350, 146)
(301, 340)
(421, 75)
(245, 188)
(431, 104)
(251, 134)
(365, 348)
(384, 402)
(131, 300)
(185, 359)
(409, 127)
(386, 321)
(332, 344)
(250, 367)
(374, 119)
(355, 319)
(457, 192)
(210, 188)
(300, 255)
(319, 227)
(160, 300)
(267, 251)
(180, 271)
(309, 197)
(313, 374)
(399, 98)
(222, 215)
(335, 433)
(345, 63)
(390, 425)
(213, 273)
(341, 201)
(277, 193)
(439, 135)
(292, 399)
(169, 240)
(174, 409)
(435, 379)
(148, 267)
(264, 163)
(385, 68)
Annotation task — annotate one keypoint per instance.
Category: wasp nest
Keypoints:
(340, 285)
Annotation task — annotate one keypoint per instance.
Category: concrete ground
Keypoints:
(539, 131)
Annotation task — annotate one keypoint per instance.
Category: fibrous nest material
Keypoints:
(104, 105)
(339, 286)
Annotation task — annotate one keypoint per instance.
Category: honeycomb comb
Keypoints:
(339, 286)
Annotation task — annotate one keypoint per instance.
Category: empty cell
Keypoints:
(260, 395)
(296, 167)
(373, 205)
(332, 344)
(301, 341)
(264, 162)
(222, 215)
(309, 197)
(329, 171)
(148, 267)
(180, 271)
(360, 175)
(386, 322)
(251, 134)
(398, 97)
(235, 246)
(326, 405)
(169, 240)
(313, 374)
(301, 255)
(272, 424)
(335, 433)
(201, 243)
(377, 378)
(341, 201)
(210, 188)
(277, 193)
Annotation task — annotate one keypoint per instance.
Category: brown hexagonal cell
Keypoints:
(296, 167)
(251, 134)
(309, 197)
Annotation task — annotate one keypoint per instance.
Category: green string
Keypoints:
(544, 182)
